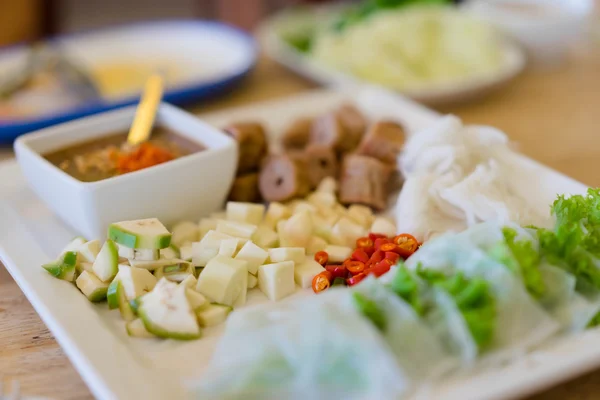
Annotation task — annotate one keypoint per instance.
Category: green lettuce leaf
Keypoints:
(574, 244)
(405, 285)
(370, 310)
(521, 257)
(474, 300)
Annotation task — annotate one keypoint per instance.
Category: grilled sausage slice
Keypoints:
(342, 129)
(245, 189)
(384, 141)
(322, 162)
(252, 143)
(354, 123)
(283, 177)
(364, 181)
(297, 135)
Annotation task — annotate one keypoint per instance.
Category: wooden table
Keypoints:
(553, 114)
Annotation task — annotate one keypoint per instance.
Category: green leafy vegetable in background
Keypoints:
(370, 309)
(369, 7)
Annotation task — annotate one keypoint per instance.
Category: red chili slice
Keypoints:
(375, 236)
(380, 268)
(376, 257)
(380, 242)
(355, 267)
(336, 270)
(355, 279)
(321, 257)
(393, 257)
(369, 250)
(364, 242)
(321, 281)
(407, 244)
(389, 247)
(360, 255)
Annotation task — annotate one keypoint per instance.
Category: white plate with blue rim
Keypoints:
(206, 58)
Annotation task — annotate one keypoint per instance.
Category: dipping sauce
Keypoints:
(111, 155)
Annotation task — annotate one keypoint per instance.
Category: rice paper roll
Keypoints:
(416, 347)
(554, 288)
(319, 348)
(521, 321)
(439, 312)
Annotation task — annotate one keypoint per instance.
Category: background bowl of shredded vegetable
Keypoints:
(428, 50)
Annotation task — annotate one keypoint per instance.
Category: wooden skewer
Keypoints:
(146, 112)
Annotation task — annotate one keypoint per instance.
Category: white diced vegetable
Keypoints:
(322, 200)
(249, 213)
(241, 299)
(222, 280)
(345, 232)
(300, 206)
(306, 271)
(84, 266)
(140, 234)
(360, 214)
(228, 247)
(136, 328)
(337, 254)
(166, 312)
(92, 287)
(186, 231)
(275, 213)
(185, 252)
(213, 314)
(73, 245)
(170, 252)
(294, 254)
(176, 272)
(64, 268)
(136, 281)
(252, 281)
(138, 254)
(207, 248)
(315, 245)
(153, 265)
(384, 226)
(190, 282)
(265, 237)
(327, 185)
(88, 251)
(236, 229)
(297, 230)
(105, 266)
(253, 255)
(276, 280)
(206, 224)
(201, 256)
(197, 301)
(123, 303)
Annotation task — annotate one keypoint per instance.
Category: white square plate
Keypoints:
(115, 366)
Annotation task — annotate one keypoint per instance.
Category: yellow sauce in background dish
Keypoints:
(126, 79)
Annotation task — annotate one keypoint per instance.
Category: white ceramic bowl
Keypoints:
(183, 189)
(545, 28)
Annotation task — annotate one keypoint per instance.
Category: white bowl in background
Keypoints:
(545, 28)
(183, 189)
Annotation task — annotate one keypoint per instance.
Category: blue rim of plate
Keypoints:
(11, 129)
